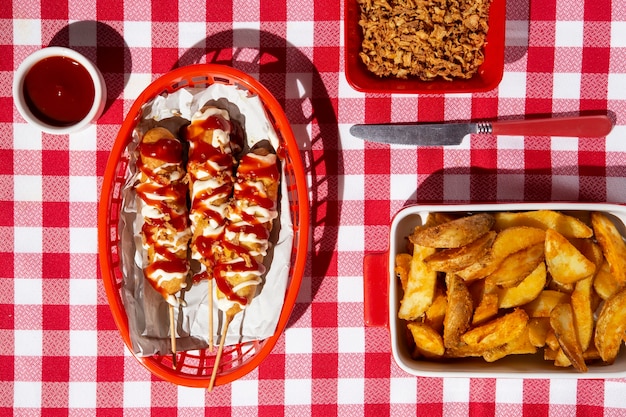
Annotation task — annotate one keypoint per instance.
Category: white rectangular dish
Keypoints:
(382, 299)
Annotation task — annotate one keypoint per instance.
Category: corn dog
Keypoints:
(246, 238)
(162, 192)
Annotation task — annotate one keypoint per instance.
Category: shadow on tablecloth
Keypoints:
(295, 82)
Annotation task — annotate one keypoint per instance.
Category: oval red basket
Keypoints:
(194, 368)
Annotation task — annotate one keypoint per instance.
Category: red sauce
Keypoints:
(166, 149)
(59, 91)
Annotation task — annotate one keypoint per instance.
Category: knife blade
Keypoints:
(446, 134)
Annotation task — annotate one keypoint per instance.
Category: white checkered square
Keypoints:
(82, 395)
(614, 393)
(83, 240)
(563, 391)
(85, 140)
(246, 38)
(349, 289)
(300, 34)
(566, 85)
(137, 394)
(245, 393)
(26, 32)
(517, 33)
(83, 189)
(353, 187)
(191, 34)
(26, 137)
(351, 339)
(559, 143)
(456, 390)
(190, 397)
(137, 82)
(27, 291)
(83, 292)
(84, 34)
(510, 390)
(138, 34)
(27, 187)
(402, 390)
(568, 34)
(299, 85)
(510, 186)
(456, 187)
(28, 342)
(351, 238)
(513, 85)
(28, 240)
(615, 187)
(617, 86)
(297, 391)
(565, 187)
(402, 186)
(26, 395)
(346, 90)
(618, 34)
(350, 391)
(298, 340)
(83, 343)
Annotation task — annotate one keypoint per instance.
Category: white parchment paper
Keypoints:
(147, 312)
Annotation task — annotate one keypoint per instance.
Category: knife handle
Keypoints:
(581, 126)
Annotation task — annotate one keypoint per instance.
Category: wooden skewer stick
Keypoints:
(211, 344)
(173, 336)
(220, 349)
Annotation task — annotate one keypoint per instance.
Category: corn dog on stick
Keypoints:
(210, 169)
(162, 193)
(246, 239)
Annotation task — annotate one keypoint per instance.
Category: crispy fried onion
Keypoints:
(423, 38)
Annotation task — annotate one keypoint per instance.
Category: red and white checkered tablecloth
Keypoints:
(60, 352)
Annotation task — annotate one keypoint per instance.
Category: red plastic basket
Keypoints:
(194, 368)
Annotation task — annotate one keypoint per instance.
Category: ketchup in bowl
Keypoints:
(59, 91)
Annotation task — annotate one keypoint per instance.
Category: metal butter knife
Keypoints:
(442, 134)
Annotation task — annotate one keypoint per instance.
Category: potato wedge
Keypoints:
(420, 287)
(538, 328)
(519, 346)
(437, 311)
(604, 282)
(545, 302)
(458, 311)
(610, 326)
(454, 259)
(568, 226)
(565, 263)
(403, 265)
(455, 233)
(428, 342)
(517, 266)
(612, 245)
(582, 306)
(506, 243)
(497, 332)
(562, 322)
(487, 309)
(525, 291)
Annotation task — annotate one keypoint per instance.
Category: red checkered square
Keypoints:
(324, 314)
(599, 10)
(55, 369)
(324, 366)
(55, 214)
(431, 109)
(6, 209)
(55, 265)
(326, 59)
(110, 368)
(56, 317)
(376, 212)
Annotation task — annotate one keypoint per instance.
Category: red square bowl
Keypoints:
(487, 78)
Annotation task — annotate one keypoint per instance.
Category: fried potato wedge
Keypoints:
(487, 309)
(497, 331)
(612, 245)
(562, 322)
(455, 233)
(545, 302)
(582, 306)
(506, 243)
(403, 265)
(428, 342)
(538, 328)
(454, 259)
(604, 283)
(420, 286)
(568, 226)
(437, 311)
(610, 326)
(458, 311)
(565, 263)
(517, 266)
(519, 346)
(525, 291)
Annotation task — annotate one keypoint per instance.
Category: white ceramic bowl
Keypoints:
(97, 107)
(382, 300)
